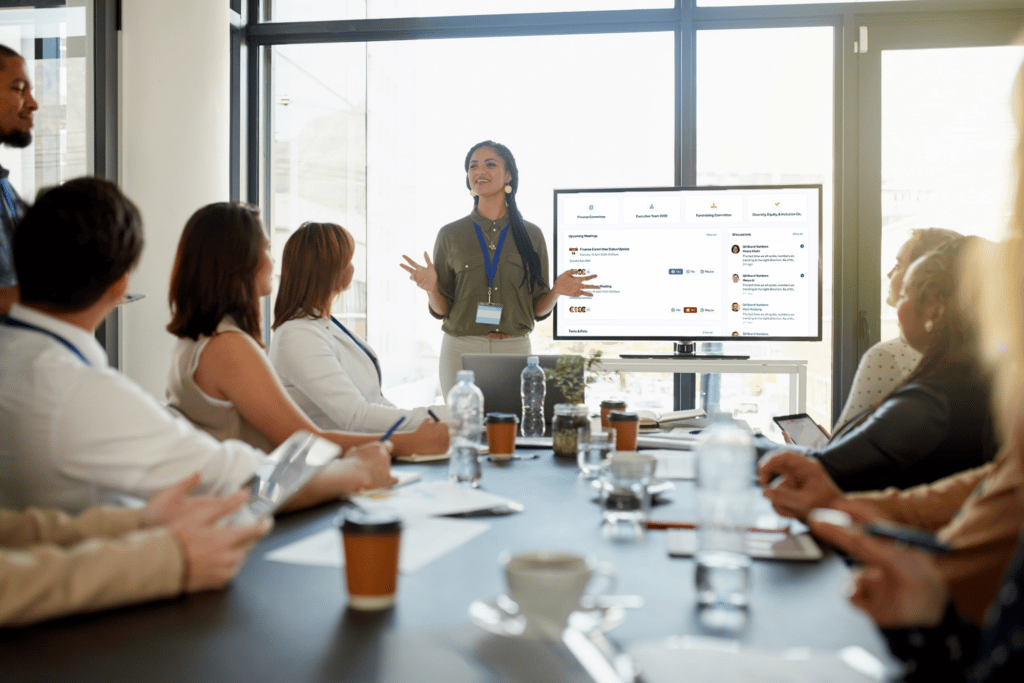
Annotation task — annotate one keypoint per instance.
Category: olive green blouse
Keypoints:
(462, 277)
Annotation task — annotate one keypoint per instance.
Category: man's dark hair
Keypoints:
(74, 242)
(6, 52)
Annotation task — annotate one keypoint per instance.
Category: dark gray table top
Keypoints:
(285, 622)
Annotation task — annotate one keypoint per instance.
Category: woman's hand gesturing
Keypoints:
(571, 285)
(425, 276)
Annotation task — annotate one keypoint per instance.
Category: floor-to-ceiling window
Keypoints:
(374, 136)
(367, 109)
(765, 101)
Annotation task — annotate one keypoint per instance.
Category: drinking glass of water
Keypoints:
(593, 450)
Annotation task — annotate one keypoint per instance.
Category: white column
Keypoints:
(174, 136)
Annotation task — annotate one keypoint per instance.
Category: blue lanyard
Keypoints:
(373, 358)
(491, 264)
(11, 322)
(7, 198)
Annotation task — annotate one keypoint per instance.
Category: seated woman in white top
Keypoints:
(220, 378)
(329, 370)
(889, 362)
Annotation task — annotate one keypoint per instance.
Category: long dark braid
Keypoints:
(531, 260)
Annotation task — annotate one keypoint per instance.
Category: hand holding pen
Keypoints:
(391, 431)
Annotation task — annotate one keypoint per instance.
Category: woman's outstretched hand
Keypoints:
(425, 276)
(572, 285)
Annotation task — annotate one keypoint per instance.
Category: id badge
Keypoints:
(488, 314)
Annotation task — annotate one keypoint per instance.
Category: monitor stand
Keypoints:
(683, 351)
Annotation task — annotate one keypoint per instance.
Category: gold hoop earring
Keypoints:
(472, 193)
(928, 325)
(508, 189)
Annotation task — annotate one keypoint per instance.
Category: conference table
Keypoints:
(286, 622)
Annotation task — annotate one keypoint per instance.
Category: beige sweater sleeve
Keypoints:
(35, 525)
(980, 513)
(928, 506)
(42, 580)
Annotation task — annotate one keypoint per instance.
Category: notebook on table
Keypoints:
(497, 375)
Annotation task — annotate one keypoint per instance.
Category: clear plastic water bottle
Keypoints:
(725, 479)
(533, 386)
(465, 427)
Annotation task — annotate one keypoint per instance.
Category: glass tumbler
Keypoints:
(593, 449)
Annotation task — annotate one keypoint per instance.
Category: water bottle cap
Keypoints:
(465, 376)
(533, 360)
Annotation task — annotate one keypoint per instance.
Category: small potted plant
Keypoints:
(571, 375)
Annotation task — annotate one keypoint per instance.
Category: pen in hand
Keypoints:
(431, 414)
(391, 431)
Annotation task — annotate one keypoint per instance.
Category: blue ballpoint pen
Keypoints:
(393, 428)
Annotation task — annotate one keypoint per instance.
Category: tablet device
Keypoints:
(802, 430)
(759, 545)
(285, 471)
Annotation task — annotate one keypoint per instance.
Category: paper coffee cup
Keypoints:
(501, 435)
(371, 541)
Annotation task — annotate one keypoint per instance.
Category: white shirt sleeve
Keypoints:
(315, 369)
(114, 435)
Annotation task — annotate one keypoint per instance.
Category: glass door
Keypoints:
(936, 140)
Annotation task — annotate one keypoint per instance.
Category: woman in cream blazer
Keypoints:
(329, 370)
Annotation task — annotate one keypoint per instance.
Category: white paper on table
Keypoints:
(404, 479)
(665, 440)
(674, 464)
(431, 498)
(424, 540)
(707, 662)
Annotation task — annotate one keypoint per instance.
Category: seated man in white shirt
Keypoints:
(75, 433)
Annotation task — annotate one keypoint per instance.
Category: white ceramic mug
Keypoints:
(548, 585)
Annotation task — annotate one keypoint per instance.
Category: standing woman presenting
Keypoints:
(488, 289)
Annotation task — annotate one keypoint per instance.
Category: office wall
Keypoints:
(174, 126)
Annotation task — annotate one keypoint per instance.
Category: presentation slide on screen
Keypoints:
(694, 262)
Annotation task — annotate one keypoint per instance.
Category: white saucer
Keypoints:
(495, 616)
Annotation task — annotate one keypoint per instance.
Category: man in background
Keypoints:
(16, 108)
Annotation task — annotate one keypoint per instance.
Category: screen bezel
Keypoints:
(684, 188)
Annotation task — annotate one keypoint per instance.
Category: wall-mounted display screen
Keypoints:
(691, 263)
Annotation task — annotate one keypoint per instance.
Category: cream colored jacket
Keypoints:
(52, 564)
